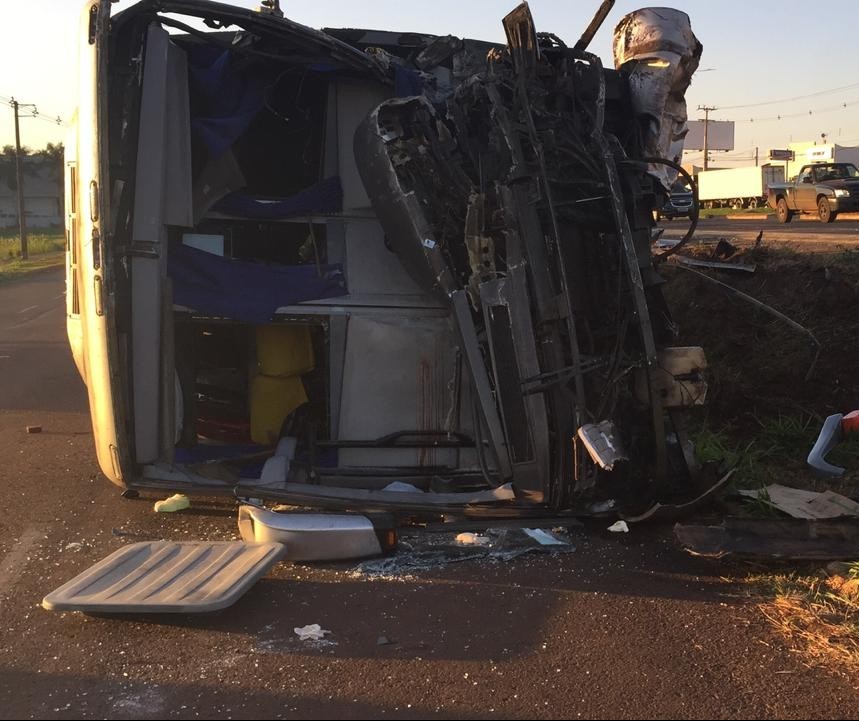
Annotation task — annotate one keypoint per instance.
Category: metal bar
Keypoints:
(477, 367)
(595, 25)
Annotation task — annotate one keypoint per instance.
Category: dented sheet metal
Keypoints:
(522, 201)
(658, 49)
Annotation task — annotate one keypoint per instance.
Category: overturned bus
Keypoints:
(379, 271)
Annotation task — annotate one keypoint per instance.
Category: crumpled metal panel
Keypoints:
(660, 53)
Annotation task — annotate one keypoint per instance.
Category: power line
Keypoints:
(806, 113)
(790, 100)
(56, 119)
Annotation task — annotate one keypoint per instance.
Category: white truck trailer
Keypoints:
(737, 187)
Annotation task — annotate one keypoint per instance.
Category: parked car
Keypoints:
(680, 203)
(826, 189)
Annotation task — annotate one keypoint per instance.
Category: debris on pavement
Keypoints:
(34, 429)
(318, 536)
(799, 503)
(544, 538)
(313, 632)
(472, 539)
(835, 539)
(177, 502)
(619, 527)
(436, 550)
(167, 577)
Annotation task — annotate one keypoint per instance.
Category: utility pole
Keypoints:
(756, 156)
(19, 175)
(707, 110)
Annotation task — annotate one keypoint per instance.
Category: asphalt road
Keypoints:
(843, 232)
(624, 627)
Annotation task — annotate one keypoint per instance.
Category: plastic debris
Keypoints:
(313, 632)
(473, 539)
(619, 527)
(177, 502)
(544, 538)
(831, 434)
(74, 546)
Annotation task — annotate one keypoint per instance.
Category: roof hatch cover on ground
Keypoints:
(167, 577)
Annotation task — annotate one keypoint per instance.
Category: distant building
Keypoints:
(43, 192)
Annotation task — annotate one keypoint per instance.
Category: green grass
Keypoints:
(45, 249)
(37, 243)
(776, 453)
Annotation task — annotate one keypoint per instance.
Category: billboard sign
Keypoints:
(720, 135)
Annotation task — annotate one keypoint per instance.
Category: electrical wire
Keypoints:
(790, 100)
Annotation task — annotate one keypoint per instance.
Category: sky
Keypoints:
(755, 67)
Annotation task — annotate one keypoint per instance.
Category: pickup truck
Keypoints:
(826, 189)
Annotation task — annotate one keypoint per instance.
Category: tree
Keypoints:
(55, 153)
(7, 165)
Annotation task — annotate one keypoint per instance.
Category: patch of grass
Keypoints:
(775, 454)
(44, 248)
(717, 446)
(37, 244)
(819, 612)
(788, 436)
(846, 453)
(11, 269)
